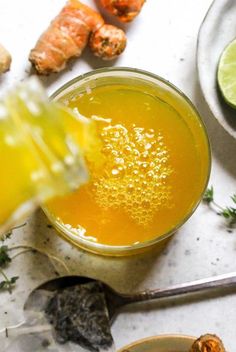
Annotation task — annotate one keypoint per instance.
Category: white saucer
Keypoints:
(216, 31)
(162, 343)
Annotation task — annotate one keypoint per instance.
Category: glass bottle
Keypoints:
(39, 157)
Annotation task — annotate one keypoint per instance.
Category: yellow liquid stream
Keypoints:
(146, 173)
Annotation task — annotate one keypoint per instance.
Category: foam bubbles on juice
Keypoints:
(133, 177)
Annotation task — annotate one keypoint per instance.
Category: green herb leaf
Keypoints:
(4, 257)
(230, 214)
(13, 279)
(209, 195)
(6, 236)
(3, 284)
(234, 198)
(8, 283)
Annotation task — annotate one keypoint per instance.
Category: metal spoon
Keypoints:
(115, 300)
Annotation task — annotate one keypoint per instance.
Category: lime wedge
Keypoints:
(226, 74)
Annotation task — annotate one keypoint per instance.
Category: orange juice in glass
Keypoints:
(149, 166)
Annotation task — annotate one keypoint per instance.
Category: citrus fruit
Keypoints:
(226, 74)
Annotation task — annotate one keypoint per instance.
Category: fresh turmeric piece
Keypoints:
(108, 42)
(67, 36)
(208, 343)
(5, 60)
(125, 10)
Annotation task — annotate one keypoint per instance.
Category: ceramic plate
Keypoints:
(217, 30)
(164, 343)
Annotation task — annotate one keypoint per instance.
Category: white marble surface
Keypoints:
(162, 40)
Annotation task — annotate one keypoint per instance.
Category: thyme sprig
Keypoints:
(7, 283)
(6, 259)
(228, 212)
(209, 195)
(7, 235)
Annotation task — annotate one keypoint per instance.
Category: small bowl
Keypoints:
(162, 343)
(166, 90)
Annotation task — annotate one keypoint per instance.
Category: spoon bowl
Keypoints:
(115, 300)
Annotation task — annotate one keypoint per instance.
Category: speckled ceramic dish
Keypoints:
(217, 30)
(163, 343)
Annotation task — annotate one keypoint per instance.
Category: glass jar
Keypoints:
(164, 91)
(39, 158)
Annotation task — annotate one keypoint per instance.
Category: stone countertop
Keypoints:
(163, 40)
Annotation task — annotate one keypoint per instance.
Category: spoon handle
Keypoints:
(221, 281)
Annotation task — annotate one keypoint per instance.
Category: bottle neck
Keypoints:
(40, 157)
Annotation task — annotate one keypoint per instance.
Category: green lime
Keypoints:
(226, 74)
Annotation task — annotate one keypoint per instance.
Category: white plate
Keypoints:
(162, 343)
(217, 30)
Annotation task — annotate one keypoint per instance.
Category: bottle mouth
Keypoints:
(61, 167)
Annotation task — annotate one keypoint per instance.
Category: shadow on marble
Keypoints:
(48, 80)
(124, 274)
(96, 62)
(72, 67)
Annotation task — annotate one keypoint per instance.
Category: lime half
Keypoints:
(227, 74)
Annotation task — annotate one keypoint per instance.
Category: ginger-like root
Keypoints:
(125, 10)
(108, 42)
(69, 33)
(5, 60)
(66, 37)
(208, 343)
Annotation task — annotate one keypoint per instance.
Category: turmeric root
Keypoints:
(208, 343)
(125, 10)
(65, 38)
(108, 42)
(5, 60)
(69, 33)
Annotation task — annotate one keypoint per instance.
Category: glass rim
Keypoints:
(116, 249)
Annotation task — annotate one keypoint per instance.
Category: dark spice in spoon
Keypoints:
(79, 314)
